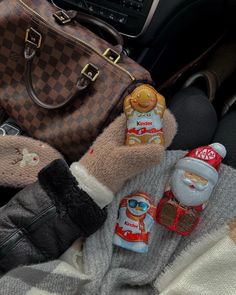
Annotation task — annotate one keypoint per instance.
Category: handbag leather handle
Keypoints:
(92, 20)
(29, 54)
(110, 30)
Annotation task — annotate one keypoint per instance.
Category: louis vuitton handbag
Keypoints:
(58, 80)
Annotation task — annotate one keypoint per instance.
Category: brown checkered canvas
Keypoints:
(64, 52)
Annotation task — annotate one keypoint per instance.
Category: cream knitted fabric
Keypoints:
(207, 266)
(21, 158)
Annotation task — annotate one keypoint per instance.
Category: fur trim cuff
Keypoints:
(69, 199)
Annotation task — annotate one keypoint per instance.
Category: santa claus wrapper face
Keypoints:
(190, 189)
(135, 219)
(196, 175)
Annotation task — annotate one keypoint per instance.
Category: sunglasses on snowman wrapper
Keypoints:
(142, 205)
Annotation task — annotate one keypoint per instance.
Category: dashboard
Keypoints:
(130, 17)
(161, 35)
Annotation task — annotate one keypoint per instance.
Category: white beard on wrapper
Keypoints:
(187, 196)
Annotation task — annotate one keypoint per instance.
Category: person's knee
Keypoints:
(226, 135)
(196, 118)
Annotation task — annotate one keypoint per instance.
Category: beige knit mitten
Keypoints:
(21, 158)
(109, 163)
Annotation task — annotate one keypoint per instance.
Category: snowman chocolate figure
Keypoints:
(191, 186)
(144, 109)
(136, 217)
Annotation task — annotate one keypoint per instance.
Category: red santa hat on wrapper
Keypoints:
(204, 161)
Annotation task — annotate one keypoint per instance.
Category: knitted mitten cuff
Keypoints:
(69, 199)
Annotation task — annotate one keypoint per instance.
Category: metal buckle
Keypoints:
(33, 37)
(62, 17)
(112, 55)
(90, 71)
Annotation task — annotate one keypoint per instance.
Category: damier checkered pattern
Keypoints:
(56, 70)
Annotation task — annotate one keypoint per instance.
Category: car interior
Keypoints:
(178, 42)
(171, 39)
(189, 49)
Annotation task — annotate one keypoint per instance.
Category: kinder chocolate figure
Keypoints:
(136, 217)
(144, 109)
(191, 185)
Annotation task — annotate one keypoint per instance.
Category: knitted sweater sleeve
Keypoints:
(45, 218)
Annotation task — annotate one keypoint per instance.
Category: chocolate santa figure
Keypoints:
(136, 217)
(144, 109)
(191, 186)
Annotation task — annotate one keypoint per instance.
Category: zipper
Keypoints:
(76, 39)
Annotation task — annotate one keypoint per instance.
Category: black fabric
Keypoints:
(44, 219)
(6, 193)
(64, 192)
(198, 125)
(196, 118)
(226, 134)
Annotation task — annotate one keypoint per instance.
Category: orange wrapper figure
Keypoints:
(144, 109)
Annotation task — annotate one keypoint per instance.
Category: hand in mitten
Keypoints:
(104, 169)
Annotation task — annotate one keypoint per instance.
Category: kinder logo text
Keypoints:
(140, 123)
(131, 224)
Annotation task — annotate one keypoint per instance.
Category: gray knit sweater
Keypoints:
(112, 270)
